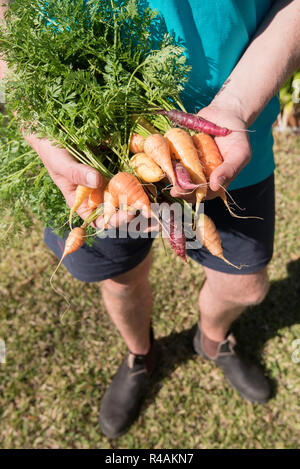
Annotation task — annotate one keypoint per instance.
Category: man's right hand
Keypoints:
(66, 172)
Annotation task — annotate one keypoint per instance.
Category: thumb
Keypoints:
(81, 174)
(222, 175)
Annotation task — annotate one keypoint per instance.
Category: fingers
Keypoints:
(236, 155)
(222, 175)
(119, 219)
(122, 218)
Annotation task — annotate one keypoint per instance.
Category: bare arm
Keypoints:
(272, 56)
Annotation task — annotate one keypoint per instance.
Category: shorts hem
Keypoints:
(227, 269)
(109, 275)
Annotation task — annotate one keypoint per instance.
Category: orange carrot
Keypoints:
(82, 193)
(183, 149)
(208, 153)
(137, 143)
(157, 148)
(126, 189)
(210, 238)
(74, 241)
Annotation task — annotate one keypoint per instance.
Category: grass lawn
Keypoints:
(55, 374)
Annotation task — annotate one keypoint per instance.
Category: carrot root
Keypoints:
(222, 195)
(73, 242)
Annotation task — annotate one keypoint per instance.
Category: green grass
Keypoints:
(55, 375)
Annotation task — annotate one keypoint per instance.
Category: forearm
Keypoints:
(273, 55)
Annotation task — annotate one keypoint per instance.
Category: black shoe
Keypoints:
(247, 378)
(122, 401)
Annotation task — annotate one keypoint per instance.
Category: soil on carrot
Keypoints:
(55, 374)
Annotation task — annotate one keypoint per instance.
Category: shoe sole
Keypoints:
(115, 435)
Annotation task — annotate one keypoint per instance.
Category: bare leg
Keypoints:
(224, 297)
(128, 300)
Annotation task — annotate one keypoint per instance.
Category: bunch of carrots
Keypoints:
(185, 159)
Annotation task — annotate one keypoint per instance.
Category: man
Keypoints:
(241, 51)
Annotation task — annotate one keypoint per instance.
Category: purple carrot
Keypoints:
(194, 122)
(176, 237)
(183, 177)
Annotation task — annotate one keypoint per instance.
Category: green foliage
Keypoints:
(81, 73)
(26, 188)
(290, 92)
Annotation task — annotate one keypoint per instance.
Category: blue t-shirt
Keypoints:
(215, 34)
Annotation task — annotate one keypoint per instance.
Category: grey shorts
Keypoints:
(245, 242)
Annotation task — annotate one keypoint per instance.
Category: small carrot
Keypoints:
(74, 241)
(146, 169)
(194, 122)
(210, 238)
(81, 193)
(157, 148)
(183, 149)
(137, 143)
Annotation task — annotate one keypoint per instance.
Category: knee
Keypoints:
(249, 293)
(118, 288)
(256, 295)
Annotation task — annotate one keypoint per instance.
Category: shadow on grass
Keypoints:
(253, 329)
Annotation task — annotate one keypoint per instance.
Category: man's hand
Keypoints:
(66, 172)
(235, 149)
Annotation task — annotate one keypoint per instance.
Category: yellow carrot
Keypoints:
(157, 148)
(146, 169)
(210, 238)
(81, 193)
